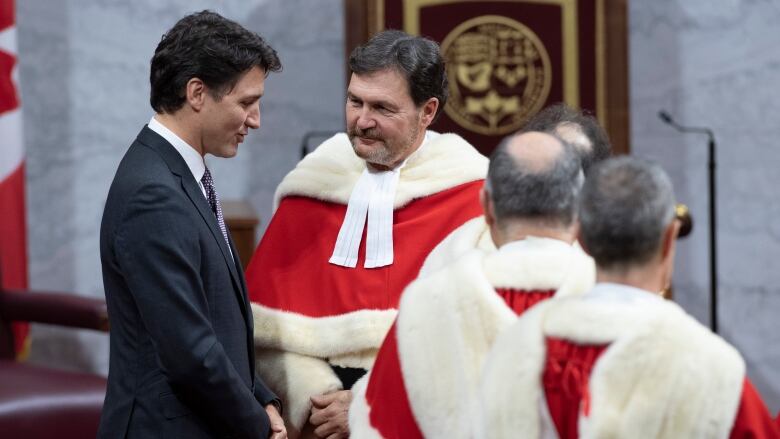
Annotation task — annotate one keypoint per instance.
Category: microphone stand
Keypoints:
(666, 118)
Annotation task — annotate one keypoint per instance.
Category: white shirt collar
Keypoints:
(190, 155)
(534, 241)
(615, 292)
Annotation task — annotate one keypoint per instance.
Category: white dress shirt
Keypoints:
(190, 155)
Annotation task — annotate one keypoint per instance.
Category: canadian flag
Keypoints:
(13, 229)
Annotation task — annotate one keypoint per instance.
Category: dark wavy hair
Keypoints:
(418, 59)
(207, 46)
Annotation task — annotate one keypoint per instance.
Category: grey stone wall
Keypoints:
(84, 68)
(716, 64)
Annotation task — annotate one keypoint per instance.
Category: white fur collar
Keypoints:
(329, 172)
(448, 322)
(473, 234)
(540, 263)
(664, 374)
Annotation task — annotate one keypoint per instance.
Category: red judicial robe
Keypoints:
(310, 314)
(617, 362)
(425, 376)
(566, 379)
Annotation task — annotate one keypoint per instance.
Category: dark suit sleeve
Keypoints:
(265, 396)
(158, 250)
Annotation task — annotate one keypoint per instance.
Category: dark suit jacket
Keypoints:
(181, 362)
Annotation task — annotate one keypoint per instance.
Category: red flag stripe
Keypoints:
(6, 14)
(13, 247)
(13, 228)
(13, 252)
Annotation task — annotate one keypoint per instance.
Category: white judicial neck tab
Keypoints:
(373, 197)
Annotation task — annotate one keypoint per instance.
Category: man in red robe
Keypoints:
(353, 223)
(620, 361)
(424, 380)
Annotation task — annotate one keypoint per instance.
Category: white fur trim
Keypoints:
(295, 378)
(472, 234)
(448, 322)
(359, 422)
(663, 375)
(348, 337)
(329, 172)
(541, 263)
(507, 367)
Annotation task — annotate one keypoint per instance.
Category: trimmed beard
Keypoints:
(388, 154)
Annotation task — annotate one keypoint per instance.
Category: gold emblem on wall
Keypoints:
(499, 74)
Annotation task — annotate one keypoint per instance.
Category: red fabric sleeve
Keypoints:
(386, 394)
(753, 420)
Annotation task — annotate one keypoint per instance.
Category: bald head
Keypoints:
(535, 152)
(534, 176)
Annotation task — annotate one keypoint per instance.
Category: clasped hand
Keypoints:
(278, 430)
(329, 414)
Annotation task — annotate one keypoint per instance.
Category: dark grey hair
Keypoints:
(552, 117)
(418, 59)
(625, 206)
(519, 192)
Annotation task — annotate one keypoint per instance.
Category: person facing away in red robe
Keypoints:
(353, 223)
(620, 361)
(424, 380)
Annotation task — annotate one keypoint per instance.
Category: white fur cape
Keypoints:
(473, 234)
(294, 351)
(449, 320)
(330, 172)
(664, 375)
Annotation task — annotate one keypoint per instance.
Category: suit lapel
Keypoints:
(250, 322)
(238, 272)
(178, 167)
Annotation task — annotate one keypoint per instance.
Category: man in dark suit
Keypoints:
(182, 362)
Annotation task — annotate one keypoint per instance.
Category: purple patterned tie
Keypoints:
(213, 198)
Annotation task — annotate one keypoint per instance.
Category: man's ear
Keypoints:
(487, 207)
(670, 238)
(196, 93)
(667, 252)
(429, 109)
(575, 230)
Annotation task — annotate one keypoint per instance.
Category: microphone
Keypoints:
(667, 119)
(712, 198)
